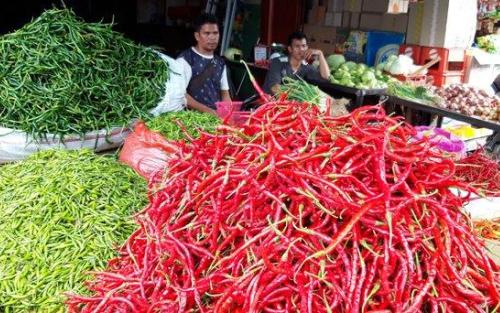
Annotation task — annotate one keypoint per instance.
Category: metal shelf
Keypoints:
(445, 112)
(358, 94)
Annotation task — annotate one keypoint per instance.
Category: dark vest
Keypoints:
(210, 91)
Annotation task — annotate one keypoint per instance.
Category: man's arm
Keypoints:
(198, 106)
(225, 96)
(324, 69)
(224, 86)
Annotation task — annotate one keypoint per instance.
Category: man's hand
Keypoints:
(324, 70)
(310, 53)
(195, 105)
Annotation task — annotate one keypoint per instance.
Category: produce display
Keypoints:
(488, 229)
(299, 90)
(469, 101)
(480, 171)
(176, 125)
(489, 43)
(60, 75)
(399, 65)
(351, 74)
(62, 214)
(299, 212)
(414, 93)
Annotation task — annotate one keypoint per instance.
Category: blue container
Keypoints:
(378, 39)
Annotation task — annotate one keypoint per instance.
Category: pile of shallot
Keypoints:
(470, 101)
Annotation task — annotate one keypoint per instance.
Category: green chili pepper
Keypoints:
(192, 121)
(63, 76)
(62, 214)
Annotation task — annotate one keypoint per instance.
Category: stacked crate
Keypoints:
(451, 67)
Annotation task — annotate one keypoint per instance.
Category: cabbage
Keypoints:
(389, 62)
(368, 77)
(351, 66)
(380, 66)
(401, 66)
(362, 67)
(335, 61)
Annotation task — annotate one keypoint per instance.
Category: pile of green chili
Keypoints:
(62, 213)
(175, 125)
(60, 75)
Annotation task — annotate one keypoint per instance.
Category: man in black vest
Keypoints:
(205, 71)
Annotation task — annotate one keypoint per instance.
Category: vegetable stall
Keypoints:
(365, 220)
(296, 206)
(66, 80)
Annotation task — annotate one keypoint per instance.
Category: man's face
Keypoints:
(208, 37)
(298, 48)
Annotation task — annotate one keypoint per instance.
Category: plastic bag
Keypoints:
(443, 140)
(174, 98)
(146, 151)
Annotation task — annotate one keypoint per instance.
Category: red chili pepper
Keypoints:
(297, 211)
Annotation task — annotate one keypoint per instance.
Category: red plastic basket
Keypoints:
(415, 80)
(230, 112)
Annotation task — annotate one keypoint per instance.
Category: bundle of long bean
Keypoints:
(299, 212)
(60, 75)
(61, 215)
(178, 125)
(300, 90)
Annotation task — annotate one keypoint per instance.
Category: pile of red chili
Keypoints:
(480, 171)
(296, 212)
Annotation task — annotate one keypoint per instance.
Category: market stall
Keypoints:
(290, 204)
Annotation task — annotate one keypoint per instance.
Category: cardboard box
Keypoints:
(386, 6)
(449, 23)
(346, 19)
(333, 19)
(371, 21)
(327, 48)
(353, 5)
(316, 15)
(376, 6)
(355, 18)
(319, 34)
(415, 23)
(335, 6)
(386, 22)
(394, 23)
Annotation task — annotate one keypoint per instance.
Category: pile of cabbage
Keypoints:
(399, 65)
(355, 75)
